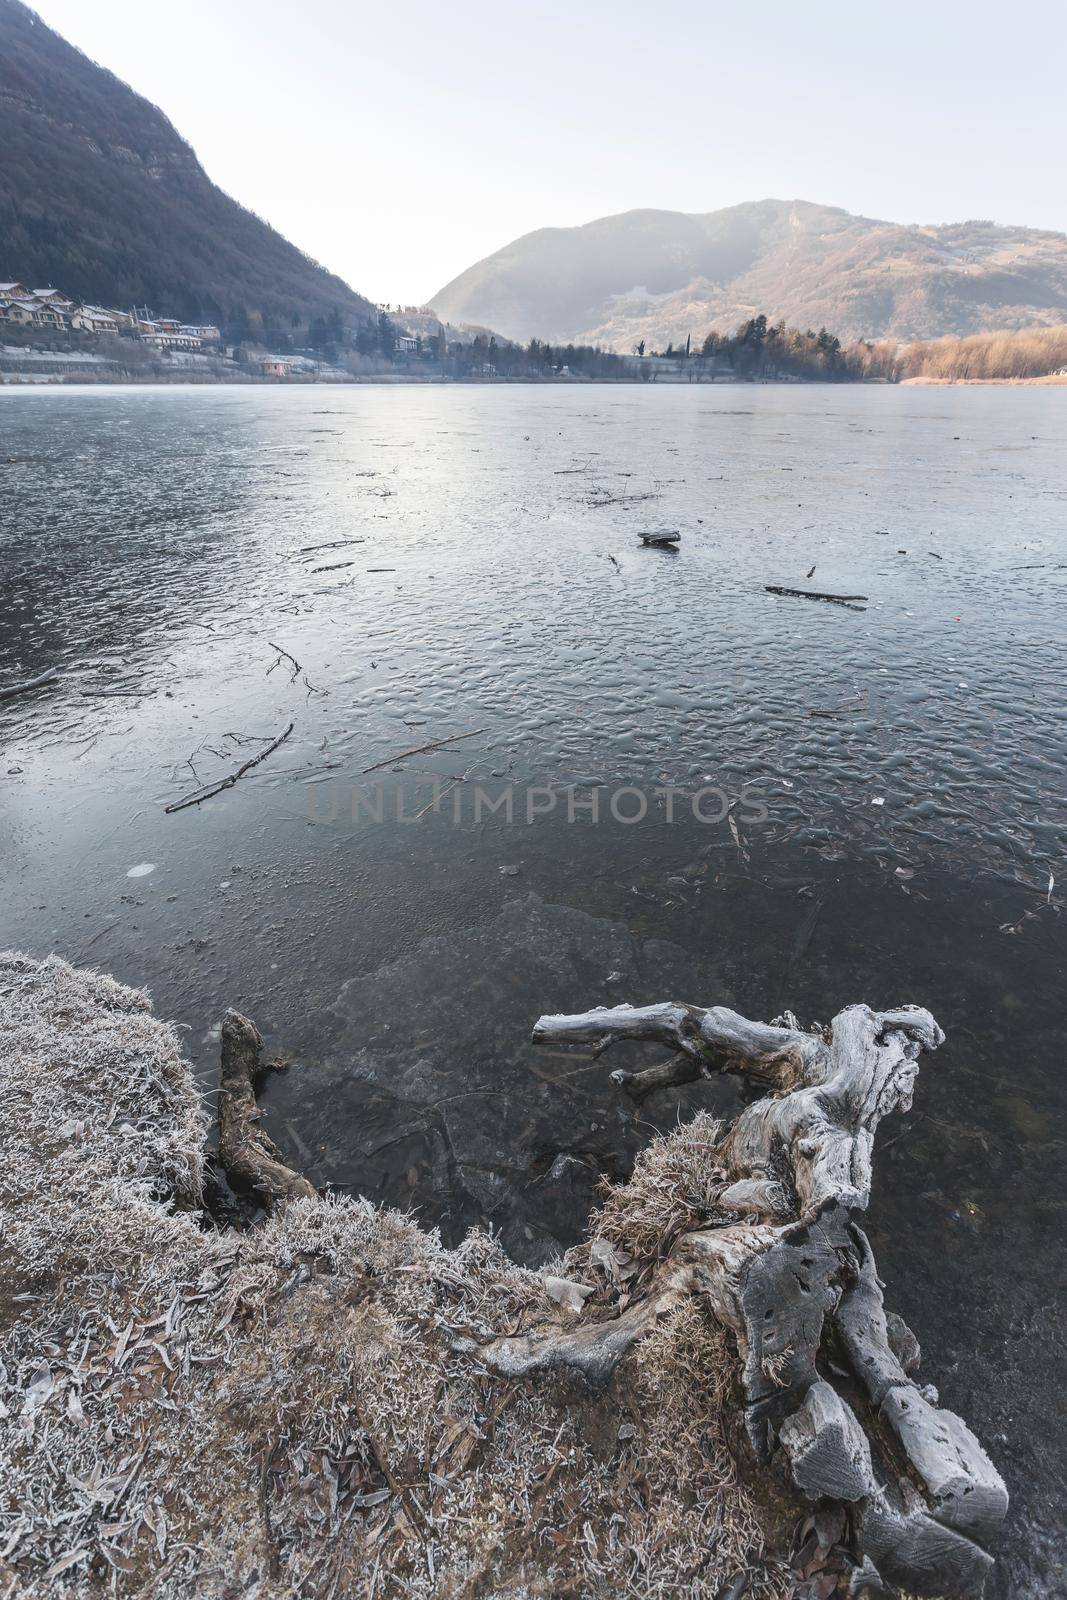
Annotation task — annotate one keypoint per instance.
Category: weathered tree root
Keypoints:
(796, 1284)
(781, 1263)
(249, 1157)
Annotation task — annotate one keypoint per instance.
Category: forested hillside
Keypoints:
(100, 195)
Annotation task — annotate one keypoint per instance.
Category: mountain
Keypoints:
(102, 197)
(662, 275)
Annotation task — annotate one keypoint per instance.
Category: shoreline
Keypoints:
(284, 1364)
(82, 380)
(1051, 380)
(404, 381)
(306, 1396)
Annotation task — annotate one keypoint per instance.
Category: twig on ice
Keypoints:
(115, 694)
(334, 544)
(296, 665)
(30, 683)
(421, 749)
(605, 499)
(228, 783)
(812, 594)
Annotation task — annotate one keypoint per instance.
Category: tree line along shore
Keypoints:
(410, 345)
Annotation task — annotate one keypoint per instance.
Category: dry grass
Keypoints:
(1009, 353)
(282, 1412)
(673, 1189)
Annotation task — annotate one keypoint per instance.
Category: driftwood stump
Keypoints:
(784, 1265)
(249, 1156)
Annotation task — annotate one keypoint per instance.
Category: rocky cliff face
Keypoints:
(100, 195)
(664, 275)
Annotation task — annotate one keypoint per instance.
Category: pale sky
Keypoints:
(398, 146)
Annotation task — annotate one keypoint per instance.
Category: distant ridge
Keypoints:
(662, 275)
(100, 195)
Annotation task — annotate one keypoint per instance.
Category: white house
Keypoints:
(161, 339)
(93, 319)
(50, 314)
(24, 313)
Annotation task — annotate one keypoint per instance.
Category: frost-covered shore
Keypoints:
(284, 1411)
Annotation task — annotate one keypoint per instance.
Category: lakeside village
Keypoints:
(46, 336)
(51, 310)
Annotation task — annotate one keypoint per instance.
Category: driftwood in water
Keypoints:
(662, 537)
(249, 1157)
(785, 1267)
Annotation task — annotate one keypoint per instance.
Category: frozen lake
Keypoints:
(796, 803)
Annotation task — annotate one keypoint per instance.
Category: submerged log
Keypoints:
(795, 1283)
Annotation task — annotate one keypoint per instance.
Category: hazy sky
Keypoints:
(398, 146)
